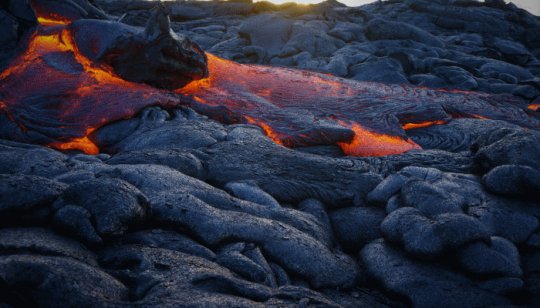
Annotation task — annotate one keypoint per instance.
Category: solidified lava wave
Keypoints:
(55, 95)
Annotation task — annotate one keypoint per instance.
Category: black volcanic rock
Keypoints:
(26, 195)
(178, 159)
(8, 37)
(154, 181)
(498, 258)
(112, 205)
(423, 284)
(380, 29)
(156, 56)
(267, 31)
(355, 227)
(54, 281)
(251, 192)
(170, 240)
(18, 158)
(214, 226)
(386, 70)
(513, 180)
(16, 18)
(429, 238)
(161, 277)
(507, 147)
(386, 189)
(158, 132)
(303, 176)
(67, 9)
(505, 219)
(44, 242)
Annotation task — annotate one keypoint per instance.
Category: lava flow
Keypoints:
(299, 108)
(293, 107)
(55, 95)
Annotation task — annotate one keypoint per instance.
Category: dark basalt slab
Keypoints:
(423, 284)
(67, 10)
(156, 56)
(16, 18)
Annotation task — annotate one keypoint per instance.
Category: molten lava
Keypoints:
(408, 126)
(366, 143)
(534, 107)
(284, 102)
(52, 87)
(57, 96)
(58, 21)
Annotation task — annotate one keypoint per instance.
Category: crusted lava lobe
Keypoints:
(66, 10)
(16, 18)
(101, 71)
(156, 56)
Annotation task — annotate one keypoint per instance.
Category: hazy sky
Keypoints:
(530, 5)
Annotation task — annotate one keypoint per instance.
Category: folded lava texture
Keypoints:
(250, 154)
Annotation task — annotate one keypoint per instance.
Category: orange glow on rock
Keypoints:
(243, 88)
(51, 68)
(477, 116)
(83, 144)
(408, 126)
(277, 138)
(52, 21)
(534, 107)
(367, 143)
(62, 96)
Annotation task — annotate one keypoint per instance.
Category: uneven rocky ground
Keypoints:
(181, 210)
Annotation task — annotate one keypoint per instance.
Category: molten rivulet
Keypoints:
(58, 92)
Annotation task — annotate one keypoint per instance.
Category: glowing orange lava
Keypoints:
(267, 129)
(367, 143)
(83, 144)
(477, 116)
(52, 22)
(53, 91)
(408, 126)
(534, 107)
(52, 68)
(245, 88)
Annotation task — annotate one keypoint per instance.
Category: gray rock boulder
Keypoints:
(156, 55)
(113, 206)
(498, 258)
(380, 29)
(507, 147)
(251, 192)
(267, 31)
(355, 227)
(515, 52)
(165, 239)
(513, 180)
(292, 249)
(26, 194)
(39, 241)
(423, 284)
(506, 220)
(54, 281)
(457, 77)
(429, 238)
(385, 70)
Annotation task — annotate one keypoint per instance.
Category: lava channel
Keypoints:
(52, 94)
